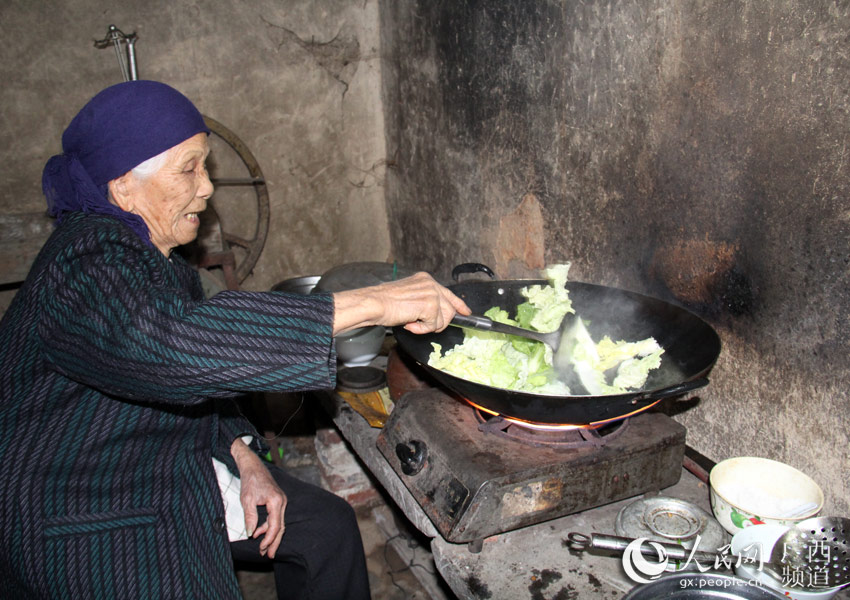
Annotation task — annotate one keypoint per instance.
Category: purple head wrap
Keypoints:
(120, 128)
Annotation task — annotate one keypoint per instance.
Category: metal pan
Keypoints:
(691, 348)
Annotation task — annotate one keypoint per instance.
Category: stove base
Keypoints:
(473, 485)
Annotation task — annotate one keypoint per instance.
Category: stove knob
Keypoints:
(412, 456)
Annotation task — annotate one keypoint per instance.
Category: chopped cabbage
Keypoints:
(516, 363)
(547, 304)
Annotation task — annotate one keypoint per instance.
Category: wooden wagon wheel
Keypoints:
(227, 241)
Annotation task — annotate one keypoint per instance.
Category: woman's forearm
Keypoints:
(417, 302)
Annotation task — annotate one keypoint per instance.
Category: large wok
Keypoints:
(691, 348)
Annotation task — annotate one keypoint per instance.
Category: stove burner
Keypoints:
(475, 484)
(562, 437)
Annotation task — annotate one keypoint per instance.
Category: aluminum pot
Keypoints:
(297, 285)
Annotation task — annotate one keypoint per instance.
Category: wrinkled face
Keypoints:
(169, 200)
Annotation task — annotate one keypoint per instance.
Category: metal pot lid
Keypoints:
(668, 519)
(360, 380)
(352, 276)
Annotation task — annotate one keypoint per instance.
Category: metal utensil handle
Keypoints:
(580, 542)
(485, 324)
(115, 37)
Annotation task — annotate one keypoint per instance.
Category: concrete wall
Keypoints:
(695, 151)
(297, 82)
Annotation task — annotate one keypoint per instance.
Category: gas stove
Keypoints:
(476, 475)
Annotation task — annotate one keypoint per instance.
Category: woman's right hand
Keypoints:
(418, 302)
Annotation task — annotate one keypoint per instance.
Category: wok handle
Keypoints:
(472, 268)
(674, 390)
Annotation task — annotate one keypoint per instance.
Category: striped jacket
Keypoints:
(116, 387)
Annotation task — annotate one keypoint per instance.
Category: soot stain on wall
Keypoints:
(629, 150)
(694, 152)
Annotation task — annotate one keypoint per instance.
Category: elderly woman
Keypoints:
(127, 471)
